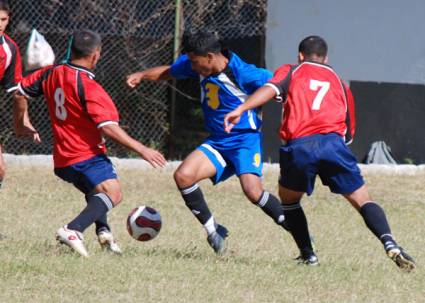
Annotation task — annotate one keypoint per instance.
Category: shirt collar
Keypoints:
(81, 68)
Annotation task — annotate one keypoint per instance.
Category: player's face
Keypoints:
(203, 65)
(4, 21)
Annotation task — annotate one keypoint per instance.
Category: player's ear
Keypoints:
(326, 60)
(210, 57)
(96, 57)
(301, 57)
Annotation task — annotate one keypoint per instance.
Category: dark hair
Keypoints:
(313, 45)
(84, 43)
(4, 6)
(201, 42)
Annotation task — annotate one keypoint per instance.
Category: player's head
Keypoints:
(4, 16)
(202, 47)
(86, 45)
(313, 48)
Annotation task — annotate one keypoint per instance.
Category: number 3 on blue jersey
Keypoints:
(212, 95)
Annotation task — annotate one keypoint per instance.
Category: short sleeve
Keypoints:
(252, 78)
(13, 73)
(99, 105)
(280, 82)
(182, 68)
(32, 85)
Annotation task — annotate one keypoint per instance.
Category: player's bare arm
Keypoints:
(153, 74)
(116, 133)
(257, 99)
(21, 122)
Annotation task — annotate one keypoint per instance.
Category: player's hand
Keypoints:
(154, 157)
(134, 79)
(231, 119)
(28, 132)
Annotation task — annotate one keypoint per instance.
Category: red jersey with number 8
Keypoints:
(78, 108)
(316, 101)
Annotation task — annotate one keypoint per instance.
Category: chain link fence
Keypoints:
(136, 35)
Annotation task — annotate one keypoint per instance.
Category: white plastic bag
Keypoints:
(39, 52)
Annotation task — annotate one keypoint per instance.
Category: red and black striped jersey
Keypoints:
(10, 63)
(78, 108)
(316, 101)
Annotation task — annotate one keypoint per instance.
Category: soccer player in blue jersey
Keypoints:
(226, 82)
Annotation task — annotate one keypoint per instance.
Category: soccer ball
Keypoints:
(144, 223)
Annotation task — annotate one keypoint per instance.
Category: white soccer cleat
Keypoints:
(106, 241)
(73, 239)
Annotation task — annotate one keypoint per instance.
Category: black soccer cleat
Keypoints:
(309, 259)
(216, 239)
(400, 257)
(222, 231)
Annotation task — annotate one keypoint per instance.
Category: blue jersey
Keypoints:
(222, 93)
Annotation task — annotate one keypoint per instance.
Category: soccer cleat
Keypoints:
(73, 239)
(106, 241)
(216, 239)
(308, 259)
(400, 257)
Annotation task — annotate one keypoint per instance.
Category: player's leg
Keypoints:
(269, 204)
(101, 224)
(86, 187)
(343, 176)
(297, 176)
(296, 223)
(196, 167)
(98, 179)
(245, 158)
(376, 220)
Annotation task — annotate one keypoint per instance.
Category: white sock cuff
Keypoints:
(263, 199)
(386, 235)
(188, 190)
(291, 206)
(105, 198)
(210, 225)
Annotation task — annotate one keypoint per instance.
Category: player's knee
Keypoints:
(253, 193)
(116, 197)
(183, 177)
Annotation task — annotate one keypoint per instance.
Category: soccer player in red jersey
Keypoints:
(81, 113)
(10, 64)
(317, 122)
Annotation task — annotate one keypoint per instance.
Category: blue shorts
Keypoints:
(325, 155)
(87, 174)
(238, 154)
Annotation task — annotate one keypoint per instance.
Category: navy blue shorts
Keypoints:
(301, 160)
(87, 174)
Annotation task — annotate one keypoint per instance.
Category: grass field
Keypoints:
(179, 266)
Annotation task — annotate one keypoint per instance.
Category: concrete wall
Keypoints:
(380, 40)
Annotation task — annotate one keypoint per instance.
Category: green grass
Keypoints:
(179, 266)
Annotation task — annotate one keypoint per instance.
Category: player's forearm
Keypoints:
(120, 136)
(157, 73)
(20, 111)
(258, 98)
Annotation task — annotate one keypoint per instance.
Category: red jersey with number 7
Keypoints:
(316, 101)
(78, 108)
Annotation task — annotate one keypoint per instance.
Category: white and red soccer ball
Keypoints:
(144, 223)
